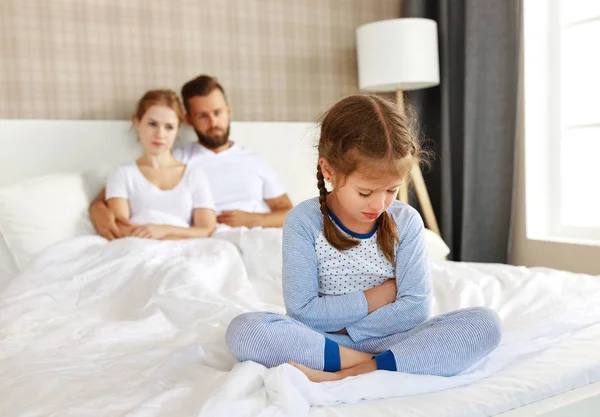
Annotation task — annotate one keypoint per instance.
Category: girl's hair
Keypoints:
(367, 132)
(167, 98)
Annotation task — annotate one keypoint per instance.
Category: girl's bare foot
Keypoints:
(322, 376)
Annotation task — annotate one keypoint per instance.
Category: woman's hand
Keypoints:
(150, 231)
(381, 295)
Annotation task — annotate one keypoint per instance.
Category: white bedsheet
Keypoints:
(135, 327)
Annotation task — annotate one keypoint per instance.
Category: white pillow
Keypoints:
(37, 213)
(436, 247)
(8, 269)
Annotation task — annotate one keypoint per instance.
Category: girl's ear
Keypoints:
(136, 123)
(326, 169)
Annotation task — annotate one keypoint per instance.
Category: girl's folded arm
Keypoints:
(327, 313)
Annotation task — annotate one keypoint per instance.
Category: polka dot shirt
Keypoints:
(359, 268)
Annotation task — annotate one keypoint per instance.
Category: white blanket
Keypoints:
(135, 327)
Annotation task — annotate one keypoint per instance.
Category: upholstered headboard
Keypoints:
(32, 148)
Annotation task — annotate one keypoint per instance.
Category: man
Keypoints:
(245, 188)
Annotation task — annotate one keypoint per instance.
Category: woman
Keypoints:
(161, 197)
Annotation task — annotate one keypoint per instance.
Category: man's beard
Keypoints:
(214, 141)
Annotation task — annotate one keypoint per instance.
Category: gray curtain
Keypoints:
(470, 122)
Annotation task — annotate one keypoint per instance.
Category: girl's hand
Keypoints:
(381, 295)
(149, 231)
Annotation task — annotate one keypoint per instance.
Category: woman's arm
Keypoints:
(204, 224)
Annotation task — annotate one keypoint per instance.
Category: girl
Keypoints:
(356, 282)
(159, 194)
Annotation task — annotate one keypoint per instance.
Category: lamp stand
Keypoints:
(419, 184)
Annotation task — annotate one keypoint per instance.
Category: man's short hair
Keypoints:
(202, 85)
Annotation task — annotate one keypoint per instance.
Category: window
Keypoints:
(562, 118)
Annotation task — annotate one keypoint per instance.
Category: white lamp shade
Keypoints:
(397, 54)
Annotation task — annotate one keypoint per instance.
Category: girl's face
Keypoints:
(360, 198)
(157, 129)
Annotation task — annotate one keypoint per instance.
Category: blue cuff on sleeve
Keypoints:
(332, 362)
(386, 361)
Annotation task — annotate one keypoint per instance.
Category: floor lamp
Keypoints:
(401, 55)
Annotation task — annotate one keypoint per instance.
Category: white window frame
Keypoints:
(543, 129)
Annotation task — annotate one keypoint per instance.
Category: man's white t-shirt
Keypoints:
(240, 179)
(150, 204)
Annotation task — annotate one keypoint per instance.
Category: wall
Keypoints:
(279, 60)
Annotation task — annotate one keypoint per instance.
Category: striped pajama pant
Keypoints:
(444, 345)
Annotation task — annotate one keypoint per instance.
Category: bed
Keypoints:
(136, 327)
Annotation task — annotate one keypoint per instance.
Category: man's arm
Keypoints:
(279, 208)
(104, 219)
(273, 194)
(120, 208)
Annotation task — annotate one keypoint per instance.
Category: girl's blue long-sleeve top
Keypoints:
(324, 287)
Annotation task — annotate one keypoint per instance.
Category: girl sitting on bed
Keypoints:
(356, 281)
(161, 197)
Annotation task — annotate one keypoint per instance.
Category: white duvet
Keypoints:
(136, 328)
